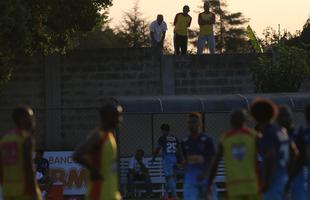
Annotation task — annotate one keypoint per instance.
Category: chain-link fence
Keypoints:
(65, 128)
(141, 131)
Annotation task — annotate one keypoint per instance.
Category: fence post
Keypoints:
(53, 131)
(152, 119)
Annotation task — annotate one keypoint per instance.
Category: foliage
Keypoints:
(305, 34)
(101, 38)
(43, 26)
(134, 28)
(284, 72)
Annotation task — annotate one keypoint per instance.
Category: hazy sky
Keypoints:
(290, 14)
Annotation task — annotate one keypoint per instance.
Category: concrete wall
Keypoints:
(67, 90)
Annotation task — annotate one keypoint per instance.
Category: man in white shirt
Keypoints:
(138, 171)
(158, 30)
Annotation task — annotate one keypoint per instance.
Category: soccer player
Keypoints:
(238, 148)
(16, 164)
(181, 23)
(297, 180)
(306, 144)
(274, 147)
(199, 153)
(170, 147)
(99, 155)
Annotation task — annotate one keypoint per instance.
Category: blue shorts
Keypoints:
(298, 190)
(169, 166)
(198, 191)
(276, 189)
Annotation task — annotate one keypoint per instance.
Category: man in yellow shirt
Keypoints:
(99, 155)
(181, 23)
(16, 164)
(206, 20)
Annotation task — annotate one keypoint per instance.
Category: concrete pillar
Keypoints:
(53, 132)
(168, 75)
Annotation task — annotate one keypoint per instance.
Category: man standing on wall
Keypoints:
(206, 20)
(158, 30)
(99, 155)
(181, 23)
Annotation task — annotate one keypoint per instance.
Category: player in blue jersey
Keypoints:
(303, 143)
(296, 186)
(274, 147)
(199, 153)
(170, 146)
(306, 135)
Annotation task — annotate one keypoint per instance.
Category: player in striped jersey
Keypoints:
(16, 164)
(99, 155)
(274, 147)
(238, 149)
(296, 184)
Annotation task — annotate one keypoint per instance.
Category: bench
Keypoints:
(158, 178)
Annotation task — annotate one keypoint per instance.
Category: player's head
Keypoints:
(307, 114)
(160, 18)
(238, 118)
(165, 128)
(186, 9)
(24, 118)
(263, 110)
(139, 154)
(206, 6)
(285, 117)
(194, 122)
(110, 114)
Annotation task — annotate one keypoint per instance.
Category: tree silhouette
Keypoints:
(134, 28)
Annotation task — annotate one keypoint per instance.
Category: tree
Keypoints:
(284, 71)
(43, 26)
(134, 28)
(305, 34)
(230, 29)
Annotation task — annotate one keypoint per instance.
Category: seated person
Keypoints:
(42, 171)
(138, 171)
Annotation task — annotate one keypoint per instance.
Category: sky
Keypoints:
(290, 14)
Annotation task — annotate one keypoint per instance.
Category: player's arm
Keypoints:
(212, 20)
(29, 171)
(213, 168)
(269, 161)
(163, 37)
(152, 32)
(297, 159)
(175, 19)
(190, 21)
(81, 154)
(210, 156)
(180, 153)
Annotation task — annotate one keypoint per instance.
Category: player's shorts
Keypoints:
(198, 191)
(169, 166)
(245, 197)
(298, 190)
(276, 190)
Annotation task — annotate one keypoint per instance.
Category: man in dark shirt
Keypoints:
(42, 166)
